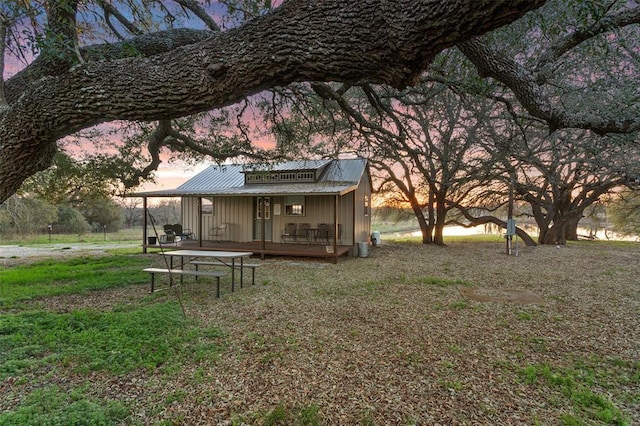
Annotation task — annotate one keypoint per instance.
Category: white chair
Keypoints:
(218, 232)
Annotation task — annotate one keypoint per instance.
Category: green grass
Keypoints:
(36, 345)
(575, 385)
(442, 282)
(76, 275)
(87, 340)
(53, 406)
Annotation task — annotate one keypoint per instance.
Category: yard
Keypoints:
(387, 339)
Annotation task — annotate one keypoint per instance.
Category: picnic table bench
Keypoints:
(252, 266)
(213, 274)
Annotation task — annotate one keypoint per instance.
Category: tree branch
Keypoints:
(565, 44)
(142, 46)
(338, 40)
(490, 63)
(202, 14)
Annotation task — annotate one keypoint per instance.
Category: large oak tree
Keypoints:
(179, 72)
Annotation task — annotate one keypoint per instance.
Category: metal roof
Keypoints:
(338, 177)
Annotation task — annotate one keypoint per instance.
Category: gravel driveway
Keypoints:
(14, 254)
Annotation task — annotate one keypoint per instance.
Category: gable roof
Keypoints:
(338, 177)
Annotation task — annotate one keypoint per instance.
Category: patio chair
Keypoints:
(304, 233)
(183, 233)
(169, 234)
(289, 234)
(218, 232)
(323, 233)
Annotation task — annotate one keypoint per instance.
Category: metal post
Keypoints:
(144, 225)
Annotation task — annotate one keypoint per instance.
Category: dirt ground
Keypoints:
(394, 339)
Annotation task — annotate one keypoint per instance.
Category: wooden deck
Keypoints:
(270, 249)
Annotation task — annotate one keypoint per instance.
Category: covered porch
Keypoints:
(261, 248)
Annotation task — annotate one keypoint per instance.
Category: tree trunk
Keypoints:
(571, 230)
(555, 234)
(340, 40)
(425, 226)
(441, 215)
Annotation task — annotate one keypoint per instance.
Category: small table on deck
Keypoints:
(227, 258)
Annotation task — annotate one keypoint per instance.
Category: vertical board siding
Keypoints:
(238, 212)
(318, 209)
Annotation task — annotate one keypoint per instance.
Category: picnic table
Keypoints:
(231, 259)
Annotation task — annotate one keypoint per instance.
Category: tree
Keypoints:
(25, 215)
(625, 212)
(102, 213)
(132, 211)
(563, 174)
(71, 220)
(422, 142)
(166, 212)
(70, 181)
(572, 64)
(179, 72)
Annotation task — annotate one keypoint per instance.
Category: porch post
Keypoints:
(335, 229)
(199, 207)
(144, 225)
(263, 224)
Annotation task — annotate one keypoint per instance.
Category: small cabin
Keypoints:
(318, 208)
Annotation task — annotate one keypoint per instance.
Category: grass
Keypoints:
(76, 275)
(574, 384)
(54, 406)
(87, 340)
(37, 344)
(381, 340)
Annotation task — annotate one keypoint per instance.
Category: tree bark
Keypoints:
(340, 40)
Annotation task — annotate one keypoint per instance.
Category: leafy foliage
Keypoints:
(625, 212)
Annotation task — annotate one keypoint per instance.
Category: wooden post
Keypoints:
(335, 229)
(144, 229)
(199, 207)
(263, 225)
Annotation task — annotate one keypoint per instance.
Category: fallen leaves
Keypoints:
(389, 339)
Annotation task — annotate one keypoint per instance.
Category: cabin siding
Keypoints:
(238, 213)
(318, 209)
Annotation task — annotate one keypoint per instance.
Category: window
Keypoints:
(254, 178)
(206, 206)
(294, 205)
(287, 176)
(260, 207)
(306, 176)
(366, 205)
